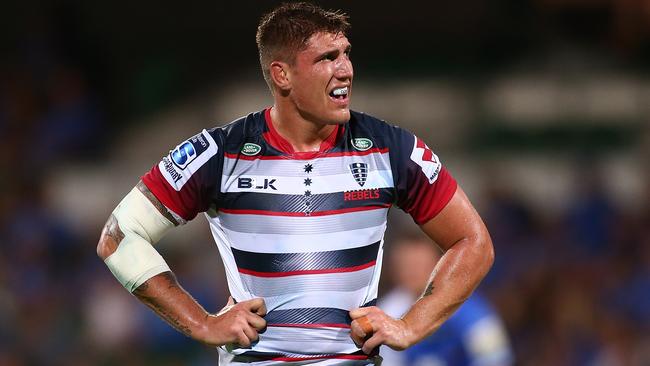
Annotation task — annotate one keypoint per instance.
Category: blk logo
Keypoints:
(359, 172)
(252, 183)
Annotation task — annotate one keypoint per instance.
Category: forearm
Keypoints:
(164, 295)
(452, 281)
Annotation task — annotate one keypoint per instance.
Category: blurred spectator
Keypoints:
(474, 335)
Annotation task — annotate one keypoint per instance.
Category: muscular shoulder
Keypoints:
(382, 133)
(234, 134)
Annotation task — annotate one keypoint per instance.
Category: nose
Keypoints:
(344, 70)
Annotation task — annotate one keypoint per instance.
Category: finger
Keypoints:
(359, 312)
(251, 334)
(366, 325)
(256, 321)
(242, 339)
(257, 306)
(372, 343)
(357, 334)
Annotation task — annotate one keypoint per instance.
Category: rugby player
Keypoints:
(296, 196)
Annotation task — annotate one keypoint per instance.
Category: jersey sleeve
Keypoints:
(423, 184)
(186, 178)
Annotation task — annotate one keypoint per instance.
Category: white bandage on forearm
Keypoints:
(135, 259)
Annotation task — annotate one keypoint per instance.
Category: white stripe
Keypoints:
(303, 341)
(346, 300)
(295, 185)
(295, 168)
(278, 243)
(328, 362)
(275, 286)
(308, 225)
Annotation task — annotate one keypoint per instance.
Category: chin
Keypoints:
(340, 117)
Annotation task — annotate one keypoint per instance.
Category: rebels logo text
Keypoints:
(366, 194)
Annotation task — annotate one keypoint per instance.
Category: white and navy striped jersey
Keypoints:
(304, 231)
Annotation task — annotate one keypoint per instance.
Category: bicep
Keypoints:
(139, 213)
(159, 206)
(457, 221)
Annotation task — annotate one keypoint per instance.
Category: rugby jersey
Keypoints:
(303, 230)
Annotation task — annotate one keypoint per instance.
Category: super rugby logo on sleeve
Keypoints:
(186, 152)
(426, 159)
(184, 160)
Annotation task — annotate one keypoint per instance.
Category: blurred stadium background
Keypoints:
(540, 108)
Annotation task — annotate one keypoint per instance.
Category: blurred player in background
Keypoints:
(473, 336)
(296, 196)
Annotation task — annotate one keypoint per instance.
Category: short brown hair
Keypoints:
(286, 29)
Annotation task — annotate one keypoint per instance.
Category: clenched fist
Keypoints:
(371, 327)
(234, 324)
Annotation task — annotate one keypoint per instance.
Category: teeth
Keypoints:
(340, 91)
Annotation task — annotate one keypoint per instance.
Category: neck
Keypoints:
(304, 135)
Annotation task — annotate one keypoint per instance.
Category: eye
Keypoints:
(329, 57)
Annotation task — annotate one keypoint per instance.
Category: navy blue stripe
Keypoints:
(253, 356)
(303, 202)
(308, 316)
(311, 315)
(287, 262)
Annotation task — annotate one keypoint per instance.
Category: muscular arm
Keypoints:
(468, 255)
(165, 296)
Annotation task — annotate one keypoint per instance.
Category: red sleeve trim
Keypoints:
(161, 189)
(433, 198)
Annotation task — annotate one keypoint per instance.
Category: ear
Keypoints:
(280, 75)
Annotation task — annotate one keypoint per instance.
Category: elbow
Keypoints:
(487, 250)
(110, 238)
(105, 247)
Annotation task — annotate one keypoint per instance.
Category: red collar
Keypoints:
(274, 139)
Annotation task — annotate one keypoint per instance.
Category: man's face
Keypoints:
(321, 79)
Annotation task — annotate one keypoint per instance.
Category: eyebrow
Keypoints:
(333, 52)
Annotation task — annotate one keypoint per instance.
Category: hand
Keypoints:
(235, 323)
(371, 327)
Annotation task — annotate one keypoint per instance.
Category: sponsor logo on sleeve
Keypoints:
(362, 143)
(187, 151)
(183, 154)
(169, 167)
(185, 159)
(426, 159)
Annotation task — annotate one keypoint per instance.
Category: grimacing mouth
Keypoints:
(340, 92)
